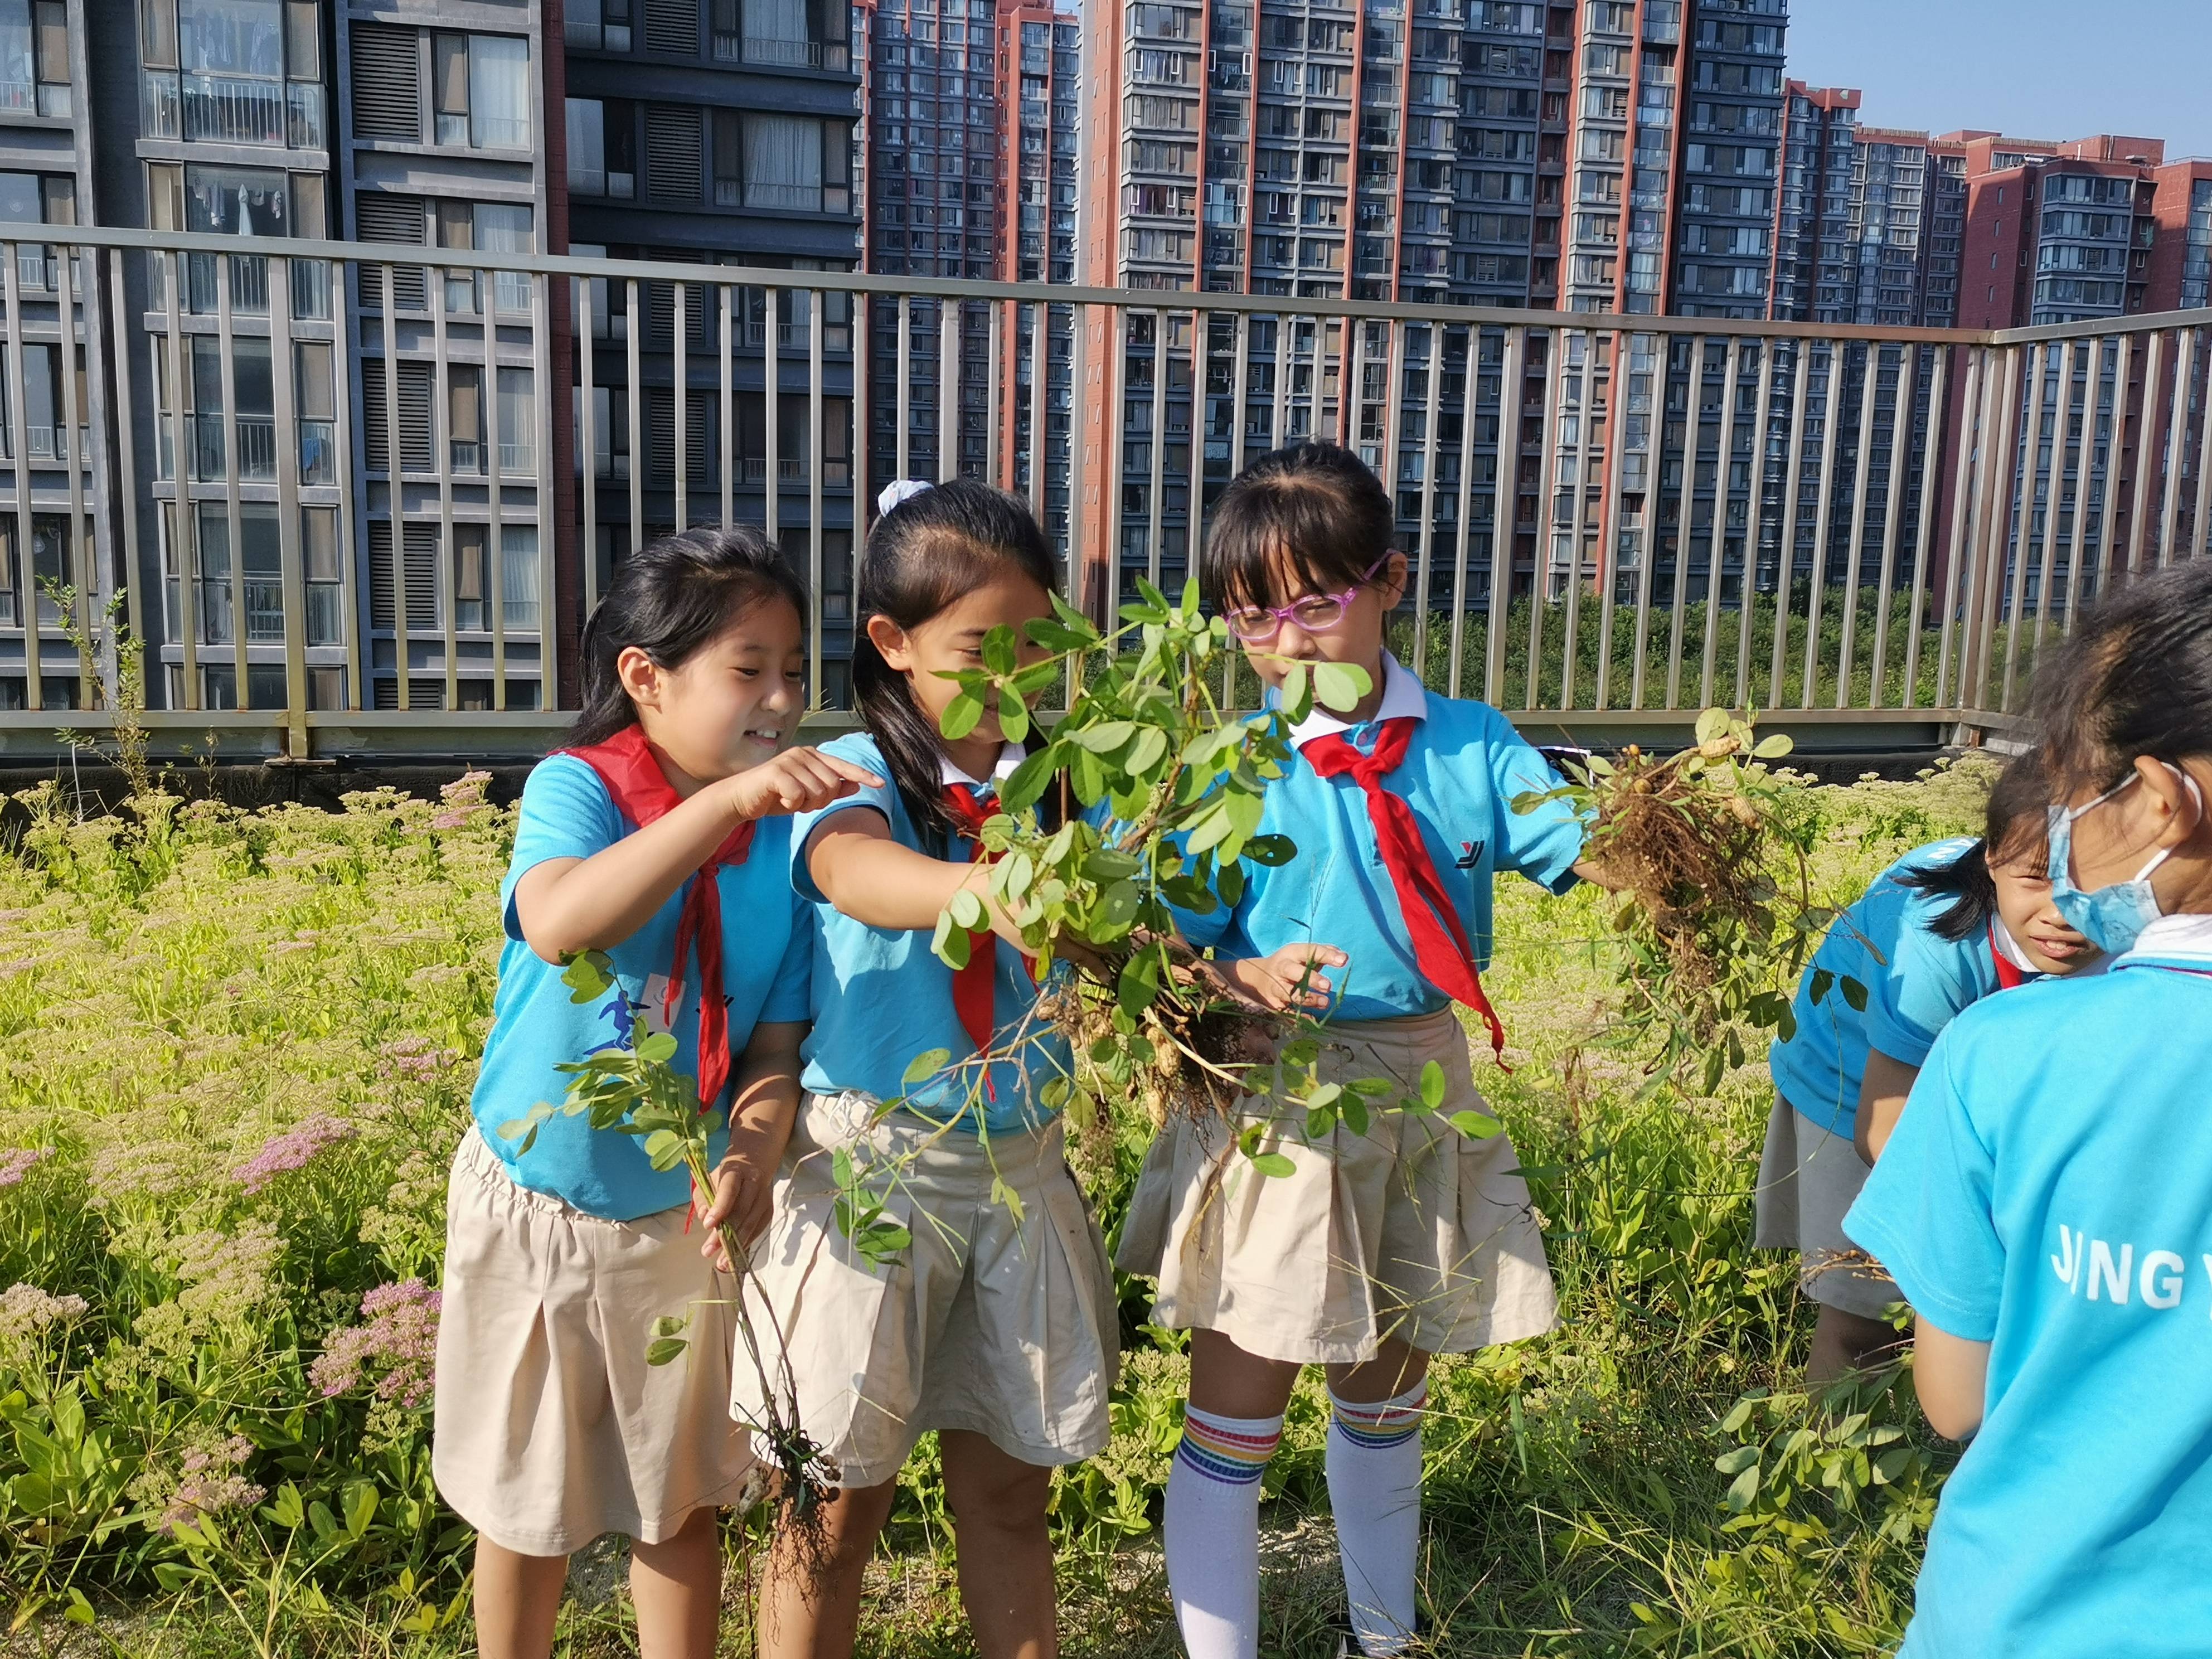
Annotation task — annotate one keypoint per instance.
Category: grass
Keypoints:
(197, 993)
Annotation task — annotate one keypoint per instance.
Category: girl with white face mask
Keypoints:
(2045, 1203)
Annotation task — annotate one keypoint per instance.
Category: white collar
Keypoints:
(1403, 697)
(2008, 947)
(2184, 937)
(1009, 756)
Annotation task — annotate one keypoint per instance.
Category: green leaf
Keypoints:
(1773, 747)
(1475, 1126)
(1354, 1110)
(1271, 850)
(926, 1064)
(1104, 738)
(1150, 749)
(658, 1050)
(1432, 1085)
(663, 1349)
(1295, 694)
(360, 1506)
(966, 909)
(1823, 982)
(961, 716)
(1855, 993)
(1211, 830)
(1139, 983)
(1742, 1490)
(1025, 786)
(998, 650)
(1274, 1164)
(1736, 1459)
(1711, 724)
(1013, 718)
(1341, 685)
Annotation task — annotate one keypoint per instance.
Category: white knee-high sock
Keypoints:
(1213, 1531)
(1374, 1461)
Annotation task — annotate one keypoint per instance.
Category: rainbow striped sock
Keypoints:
(1233, 1451)
(1373, 1427)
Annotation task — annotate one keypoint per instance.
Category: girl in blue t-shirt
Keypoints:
(993, 1323)
(1943, 927)
(2046, 1201)
(1389, 1244)
(650, 838)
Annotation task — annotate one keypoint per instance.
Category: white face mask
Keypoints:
(2112, 918)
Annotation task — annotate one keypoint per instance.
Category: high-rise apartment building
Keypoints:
(2057, 233)
(427, 422)
(2181, 257)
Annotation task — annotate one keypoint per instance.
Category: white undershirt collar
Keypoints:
(1403, 697)
(2184, 937)
(1009, 756)
(2008, 947)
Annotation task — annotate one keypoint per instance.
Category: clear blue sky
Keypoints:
(2033, 69)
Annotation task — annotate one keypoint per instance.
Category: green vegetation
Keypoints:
(235, 1053)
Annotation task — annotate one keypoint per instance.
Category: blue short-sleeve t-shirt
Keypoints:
(882, 998)
(1463, 767)
(767, 955)
(1916, 982)
(2049, 1191)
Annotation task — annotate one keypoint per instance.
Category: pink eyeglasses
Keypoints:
(1318, 613)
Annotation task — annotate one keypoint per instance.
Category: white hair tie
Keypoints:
(900, 490)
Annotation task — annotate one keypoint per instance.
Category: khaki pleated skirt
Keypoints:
(549, 1427)
(1000, 1323)
(1808, 1178)
(1411, 1229)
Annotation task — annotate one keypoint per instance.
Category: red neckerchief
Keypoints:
(643, 794)
(974, 986)
(1440, 942)
(2010, 973)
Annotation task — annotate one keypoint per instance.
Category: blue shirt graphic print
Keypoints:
(1462, 769)
(2049, 1191)
(767, 954)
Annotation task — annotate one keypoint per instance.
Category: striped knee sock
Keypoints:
(1213, 1531)
(1374, 1461)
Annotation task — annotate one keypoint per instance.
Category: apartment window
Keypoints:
(470, 584)
(603, 148)
(34, 77)
(315, 409)
(599, 25)
(785, 161)
(318, 563)
(481, 90)
(518, 575)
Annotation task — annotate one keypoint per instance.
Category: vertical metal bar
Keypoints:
(587, 458)
(727, 460)
(2140, 506)
(1431, 417)
(441, 455)
(1578, 522)
(126, 455)
(2177, 440)
(1755, 525)
(292, 583)
(2200, 531)
(862, 332)
(948, 388)
(1159, 442)
(1921, 551)
(1993, 522)
(1505, 509)
(1793, 487)
(1109, 486)
(1900, 426)
(231, 460)
(1839, 357)
(905, 365)
(187, 525)
(1716, 548)
(550, 621)
(1654, 453)
(74, 453)
(1854, 566)
(25, 558)
(1465, 522)
(1555, 381)
(2091, 354)
(2061, 427)
(1243, 391)
(494, 553)
(1965, 475)
(680, 395)
(2122, 357)
(1352, 400)
(1040, 344)
(2011, 547)
(1285, 344)
(1079, 332)
(817, 324)
(996, 314)
(771, 416)
(635, 395)
(1693, 437)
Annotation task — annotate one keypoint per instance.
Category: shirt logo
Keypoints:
(1470, 854)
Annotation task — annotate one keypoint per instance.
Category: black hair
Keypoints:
(921, 556)
(2135, 679)
(2014, 827)
(670, 599)
(1316, 507)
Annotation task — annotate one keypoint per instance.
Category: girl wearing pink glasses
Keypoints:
(1402, 1239)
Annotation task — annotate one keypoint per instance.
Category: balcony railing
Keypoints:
(1869, 534)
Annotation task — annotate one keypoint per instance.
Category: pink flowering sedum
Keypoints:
(395, 1350)
(16, 1163)
(295, 1149)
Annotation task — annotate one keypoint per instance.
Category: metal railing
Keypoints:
(1611, 521)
